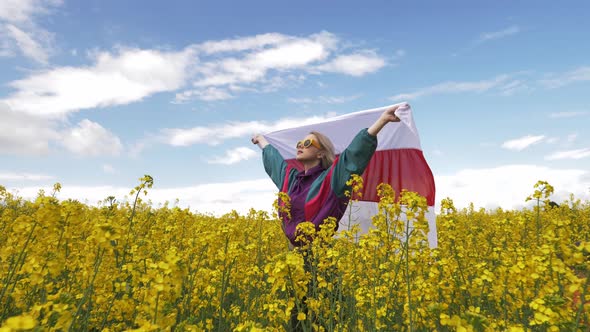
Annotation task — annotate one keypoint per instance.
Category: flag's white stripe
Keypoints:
(361, 213)
(341, 130)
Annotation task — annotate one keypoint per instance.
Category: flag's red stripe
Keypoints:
(401, 168)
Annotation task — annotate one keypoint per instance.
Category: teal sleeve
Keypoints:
(353, 160)
(274, 165)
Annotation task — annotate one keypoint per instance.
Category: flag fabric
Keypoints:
(398, 160)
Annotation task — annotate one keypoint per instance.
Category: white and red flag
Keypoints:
(398, 160)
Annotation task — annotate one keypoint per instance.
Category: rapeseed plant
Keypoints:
(125, 265)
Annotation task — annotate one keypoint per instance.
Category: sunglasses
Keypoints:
(307, 143)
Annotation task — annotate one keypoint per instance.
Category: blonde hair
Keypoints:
(328, 154)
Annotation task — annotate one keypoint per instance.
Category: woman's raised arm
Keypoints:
(355, 158)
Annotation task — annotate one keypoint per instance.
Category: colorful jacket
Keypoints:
(319, 193)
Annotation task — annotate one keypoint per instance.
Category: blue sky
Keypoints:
(95, 94)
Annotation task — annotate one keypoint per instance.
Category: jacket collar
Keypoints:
(312, 171)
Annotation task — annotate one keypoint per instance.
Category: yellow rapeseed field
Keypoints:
(128, 266)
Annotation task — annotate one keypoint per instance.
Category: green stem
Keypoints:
(123, 260)
(538, 220)
(17, 265)
(581, 306)
(156, 311)
(408, 282)
(90, 288)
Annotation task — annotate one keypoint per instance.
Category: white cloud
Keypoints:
(271, 61)
(323, 100)
(569, 154)
(499, 34)
(228, 71)
(275, 83)
(91, 139)
(508, 186)
(242, 44)
(12, 176)
(216, 134)
(20, 31)
(357, 64)
(305, 100)
(108, 169)
(135, 149)
(213, 198)
(289, 55)
(30, 47)
(457, 87)
(115, 79)
(234, 156)
(572, 137)
(216, 70)
(505, 85)
(513, 87)
(522, 143)
(568, 114)
(24, 134)
(259, 64)
(552, 140)
(580, 74)
(23, 11)
(209, 94)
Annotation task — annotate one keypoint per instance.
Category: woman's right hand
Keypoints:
(259, 140)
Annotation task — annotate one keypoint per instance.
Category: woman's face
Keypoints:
(309, 153)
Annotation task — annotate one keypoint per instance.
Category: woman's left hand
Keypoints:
(385, 118)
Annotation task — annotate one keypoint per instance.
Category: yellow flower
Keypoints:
(23, 322)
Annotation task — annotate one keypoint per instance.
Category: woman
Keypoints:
(317, 192)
